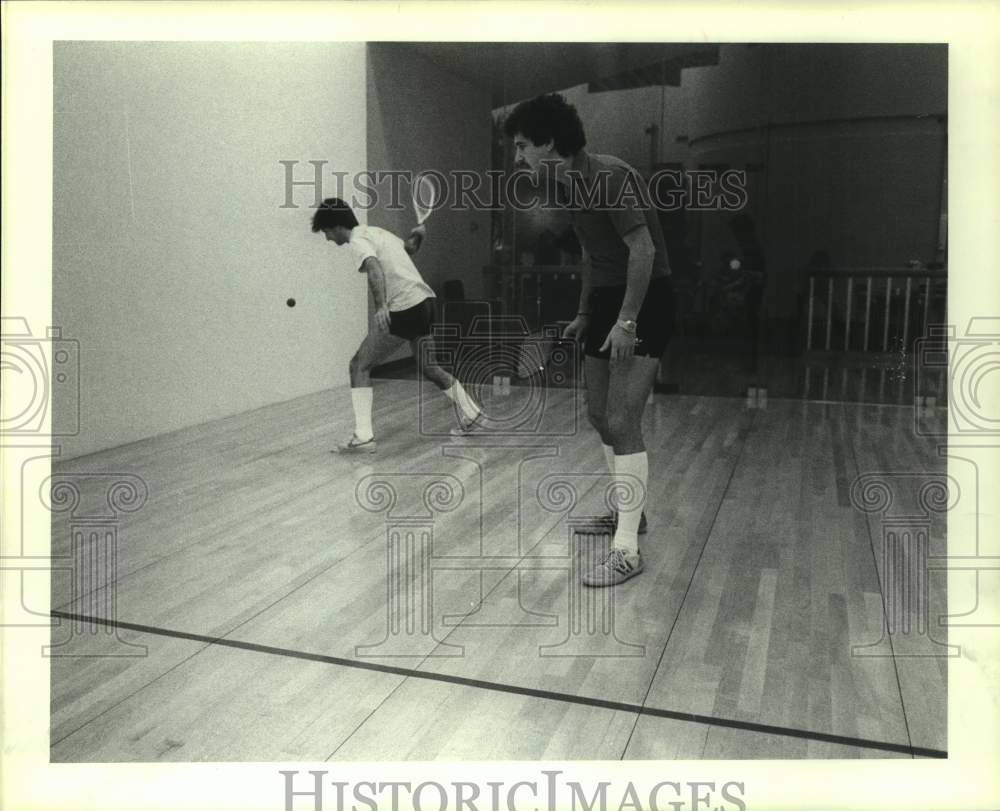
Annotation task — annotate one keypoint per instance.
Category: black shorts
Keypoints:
(414, 321)
(655, 322)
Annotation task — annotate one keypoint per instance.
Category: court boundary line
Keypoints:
(462, 681)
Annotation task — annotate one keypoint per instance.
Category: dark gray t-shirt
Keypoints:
(609, 200)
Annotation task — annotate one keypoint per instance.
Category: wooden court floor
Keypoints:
(239, 593)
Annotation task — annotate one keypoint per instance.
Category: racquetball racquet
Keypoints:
(425, 197)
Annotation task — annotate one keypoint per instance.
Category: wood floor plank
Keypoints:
(231, 524)
(666, 739)
(211, 584)
(429, 721)
(350, 600)
(93, 670)
(452, 557)
(233, 705)
(782, 591)
(735, 744)
(898, 458)
(614, 648)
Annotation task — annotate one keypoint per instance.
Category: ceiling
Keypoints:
(514, 71)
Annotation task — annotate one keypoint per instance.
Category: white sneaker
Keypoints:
(469, 427)
(355, 445)
(616, 568)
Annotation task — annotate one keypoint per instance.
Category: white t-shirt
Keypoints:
(404, 286)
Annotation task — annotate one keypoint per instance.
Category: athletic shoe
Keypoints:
(617, 567)
(355, 445)
(469, 427)
(608, 523)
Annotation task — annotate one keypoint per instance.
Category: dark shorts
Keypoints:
(655, 322)
(413, 322)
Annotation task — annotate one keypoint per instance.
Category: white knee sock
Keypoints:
(633, 471)
(362, 401)
(459, 396)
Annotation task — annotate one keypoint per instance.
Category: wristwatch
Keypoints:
(628, 325)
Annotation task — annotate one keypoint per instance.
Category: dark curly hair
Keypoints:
(333, 212)
(548, 118)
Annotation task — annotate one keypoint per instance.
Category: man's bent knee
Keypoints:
(357, 367)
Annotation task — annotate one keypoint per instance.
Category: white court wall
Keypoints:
(172, 254)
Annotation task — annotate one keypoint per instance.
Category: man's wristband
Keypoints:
(587, 314)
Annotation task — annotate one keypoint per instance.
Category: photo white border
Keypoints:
(965, 780)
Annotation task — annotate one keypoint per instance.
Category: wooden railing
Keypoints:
(872, 309)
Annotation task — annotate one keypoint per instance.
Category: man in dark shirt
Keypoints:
(625, 315)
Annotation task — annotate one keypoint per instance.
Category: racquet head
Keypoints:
(425, 197)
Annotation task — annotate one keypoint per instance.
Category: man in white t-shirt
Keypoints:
(404, 311)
